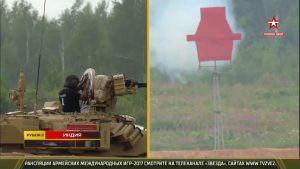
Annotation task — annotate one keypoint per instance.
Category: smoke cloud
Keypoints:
(170, 22)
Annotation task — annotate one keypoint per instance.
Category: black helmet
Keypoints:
(71, 81)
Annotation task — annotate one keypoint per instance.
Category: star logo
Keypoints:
(273, 23)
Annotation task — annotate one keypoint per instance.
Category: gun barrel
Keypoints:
(133, 83)
(140, 85)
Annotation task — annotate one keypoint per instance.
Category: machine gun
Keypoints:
(129, 83)
(101, 91)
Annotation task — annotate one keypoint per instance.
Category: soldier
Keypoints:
(69, 95)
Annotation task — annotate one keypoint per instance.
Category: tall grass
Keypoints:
(254, 116)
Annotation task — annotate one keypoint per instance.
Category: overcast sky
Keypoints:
(54, 7)
(171, 21)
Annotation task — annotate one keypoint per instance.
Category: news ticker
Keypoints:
(61, 135)
(136, 163)
(153, 163)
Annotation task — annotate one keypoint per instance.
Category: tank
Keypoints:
(95, 131)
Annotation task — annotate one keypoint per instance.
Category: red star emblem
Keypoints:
(273, 23)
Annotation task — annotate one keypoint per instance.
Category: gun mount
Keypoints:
(99, 92)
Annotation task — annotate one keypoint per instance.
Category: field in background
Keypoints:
(134, 105)
(254, 116)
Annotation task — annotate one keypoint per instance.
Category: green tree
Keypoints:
(128, 33)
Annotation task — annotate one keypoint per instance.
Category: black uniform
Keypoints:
(69, 96)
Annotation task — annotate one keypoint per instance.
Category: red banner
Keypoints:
(71, 135)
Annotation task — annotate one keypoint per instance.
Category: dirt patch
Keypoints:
(284, 153)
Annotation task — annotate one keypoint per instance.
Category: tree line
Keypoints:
(258, 59)
(268, 59)
(83, 36)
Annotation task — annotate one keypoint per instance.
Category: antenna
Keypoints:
(39, 63)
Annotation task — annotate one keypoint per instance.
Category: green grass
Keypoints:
(133, 105)
(253, 115)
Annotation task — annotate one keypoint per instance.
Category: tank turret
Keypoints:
(93, 132)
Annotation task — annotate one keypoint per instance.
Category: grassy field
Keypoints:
(254, 116)
(134, 105)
